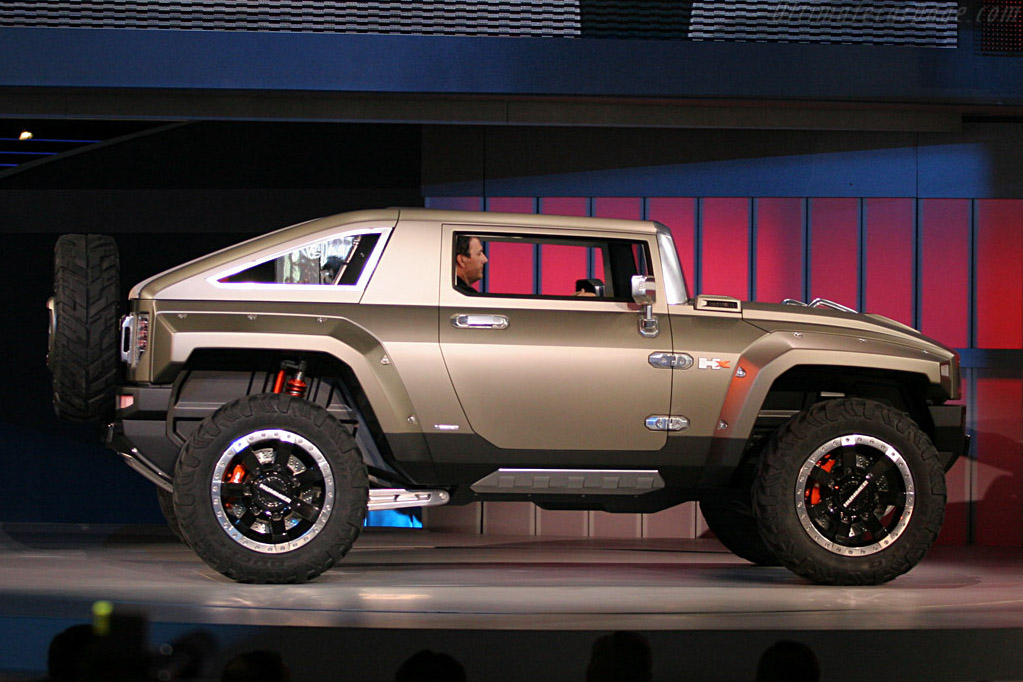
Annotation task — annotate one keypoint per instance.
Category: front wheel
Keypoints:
(850, 492)
(732, 522)
(270, 489)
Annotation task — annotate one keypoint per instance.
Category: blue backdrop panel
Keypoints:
(240, 60)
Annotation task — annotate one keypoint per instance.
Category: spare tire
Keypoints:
(84, 314)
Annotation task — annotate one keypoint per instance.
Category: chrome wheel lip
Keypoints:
(884, 449)
(224, 519)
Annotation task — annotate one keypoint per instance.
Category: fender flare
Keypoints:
(774, 354)
(360, 351)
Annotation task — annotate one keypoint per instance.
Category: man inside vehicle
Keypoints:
(469, 262)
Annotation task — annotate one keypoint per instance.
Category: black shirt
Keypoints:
(464, 287)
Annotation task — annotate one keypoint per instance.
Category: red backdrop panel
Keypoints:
(629, 208)
(510, 270)
(835, 250)
(679, 216)
(455, 203)
(779, 250)
(945, 270)
(999, 406)
(999, 273)
(575, 206)
(890, 252)
(560, 267)
(511, 204)
(724, 252)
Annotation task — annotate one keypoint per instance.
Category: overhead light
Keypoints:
(25, 135)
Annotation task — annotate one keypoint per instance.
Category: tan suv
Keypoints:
(276, 390)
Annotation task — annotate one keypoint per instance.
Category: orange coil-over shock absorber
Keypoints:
(296, 384)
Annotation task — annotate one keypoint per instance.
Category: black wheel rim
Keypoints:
(855, 495)
(272, 491)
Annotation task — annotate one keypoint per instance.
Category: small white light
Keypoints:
(25, 135)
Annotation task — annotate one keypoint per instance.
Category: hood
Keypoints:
(773, 317)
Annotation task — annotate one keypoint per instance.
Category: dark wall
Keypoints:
(981, 161)
(331, 62)
(167, 198)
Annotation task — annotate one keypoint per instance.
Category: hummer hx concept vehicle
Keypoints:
(276, 390)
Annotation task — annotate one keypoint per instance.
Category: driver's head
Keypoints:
(469, 258)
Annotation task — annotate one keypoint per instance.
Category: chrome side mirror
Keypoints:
(644, 290)
(644, 293)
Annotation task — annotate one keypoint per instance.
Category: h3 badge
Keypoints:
(713, 363)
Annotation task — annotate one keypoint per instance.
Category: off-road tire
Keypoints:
(165, 499)
(732, 522)
(206, 502)
(83, 353)
(794, 477)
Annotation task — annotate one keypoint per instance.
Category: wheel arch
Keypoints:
(781, 381)
(250, 370)
(905, 378)
(359, 359)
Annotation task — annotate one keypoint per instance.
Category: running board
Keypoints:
(399, 498)
(570, 481)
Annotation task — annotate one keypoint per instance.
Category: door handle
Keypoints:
(465, 321)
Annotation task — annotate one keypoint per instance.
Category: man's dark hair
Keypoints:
(462, 244)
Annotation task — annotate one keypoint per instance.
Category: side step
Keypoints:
(399, 498)
(570, 481)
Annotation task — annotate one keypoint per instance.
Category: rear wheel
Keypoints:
(270, 489)
(850, 492)
(83, 355)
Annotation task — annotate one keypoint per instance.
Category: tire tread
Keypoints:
(84, 359)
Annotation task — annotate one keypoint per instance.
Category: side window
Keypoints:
(339, 260)
(552, 267)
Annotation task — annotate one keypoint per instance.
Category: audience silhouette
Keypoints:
(256, 666)
(68, 655)
(788, 661)
(78, 654)
(620, 657)
(430, 666)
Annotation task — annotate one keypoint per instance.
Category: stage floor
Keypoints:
(957, 616)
